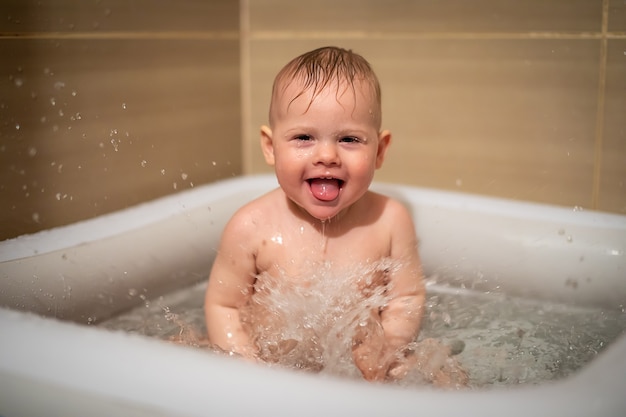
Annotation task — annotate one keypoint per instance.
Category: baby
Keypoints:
(325, 142)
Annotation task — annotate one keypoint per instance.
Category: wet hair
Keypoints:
(321, 67)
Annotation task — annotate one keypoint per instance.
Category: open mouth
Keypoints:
(325, 189)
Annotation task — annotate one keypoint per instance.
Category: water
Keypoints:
(510, 341)
(498, 340)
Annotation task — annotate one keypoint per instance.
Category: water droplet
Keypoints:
(163, 171)
(59, 85)
(17, 126)
(18, 82)
(124, 106)
(144, 163)
(175, 185)
(214, 163)
(36, 217)
(133, 292)
(32, 151)
(53, 101)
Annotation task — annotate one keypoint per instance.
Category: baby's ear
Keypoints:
(267, 145)
(384, 140)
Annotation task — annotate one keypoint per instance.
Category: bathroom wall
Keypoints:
(107, 103)
(518, 99)
(104, 104)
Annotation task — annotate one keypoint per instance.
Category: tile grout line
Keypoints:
(246, 89)
(599, 128)
(359, 35)
(126, 35)
(288, 35)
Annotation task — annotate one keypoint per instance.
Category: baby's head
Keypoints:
(324, 138)
(327, 67)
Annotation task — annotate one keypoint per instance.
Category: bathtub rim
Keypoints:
(141, 215)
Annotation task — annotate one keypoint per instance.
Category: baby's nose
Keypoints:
(326, 153)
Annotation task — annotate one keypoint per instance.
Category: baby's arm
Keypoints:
(229, 288)
(401, 318)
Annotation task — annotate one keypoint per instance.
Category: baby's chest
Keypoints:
(292, 256)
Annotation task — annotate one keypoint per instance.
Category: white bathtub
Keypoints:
(91, 270)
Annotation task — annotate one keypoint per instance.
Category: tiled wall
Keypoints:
(108, 103)
(518, 99)
(104, 104)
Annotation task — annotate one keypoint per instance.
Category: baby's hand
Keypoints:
(368, 350)
(370, 362)
(433, 362)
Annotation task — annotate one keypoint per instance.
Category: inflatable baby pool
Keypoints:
(55, 283)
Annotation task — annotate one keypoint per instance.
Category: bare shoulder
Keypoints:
(247, 220)
(390, 209)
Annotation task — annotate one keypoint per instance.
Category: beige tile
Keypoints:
(511, 119)
(93, 126)
(426, 15)
(617, 15)
(612, 196)
(115, 15)
(507, 118)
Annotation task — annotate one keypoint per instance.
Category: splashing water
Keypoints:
(309, 324)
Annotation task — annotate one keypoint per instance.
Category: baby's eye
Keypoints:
(349, 139)
(302, 137)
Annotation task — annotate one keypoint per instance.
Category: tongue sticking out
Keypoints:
(325, 189)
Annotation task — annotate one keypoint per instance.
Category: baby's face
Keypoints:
(325, 150)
